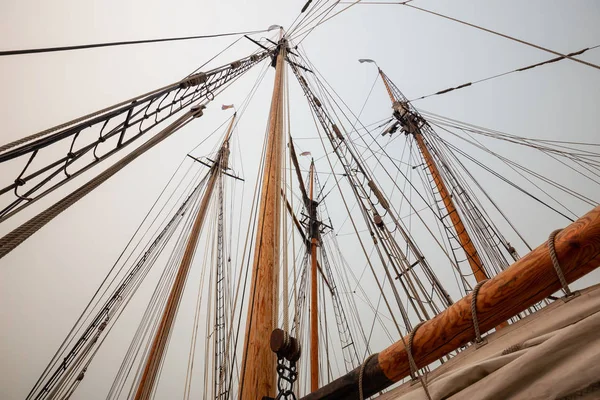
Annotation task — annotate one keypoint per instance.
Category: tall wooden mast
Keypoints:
(314, 293)
(258, 366)
(157, 351)
(401, 110)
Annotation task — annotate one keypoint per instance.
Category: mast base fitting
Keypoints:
(285, 346)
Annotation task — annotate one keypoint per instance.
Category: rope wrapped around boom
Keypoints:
(525, 283)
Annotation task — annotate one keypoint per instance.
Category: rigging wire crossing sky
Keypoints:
(534, 130)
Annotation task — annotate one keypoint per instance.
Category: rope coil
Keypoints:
(556, 264)
(474, 310)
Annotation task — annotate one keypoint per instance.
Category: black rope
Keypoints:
(589, 64)
(110, 44)
(464, 85)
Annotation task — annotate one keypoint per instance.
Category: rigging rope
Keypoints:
(508, 181)
(589, 64)
(102, 111)
(464, 85)
(377, 159)
(20, 234)
(129, 42)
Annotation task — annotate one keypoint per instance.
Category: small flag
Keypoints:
(226, 107)
(305, 153)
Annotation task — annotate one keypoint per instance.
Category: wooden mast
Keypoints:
(258, 365)
(459, 227)
(314, 310)
(157, 351)
(526, 282)
(463, 236)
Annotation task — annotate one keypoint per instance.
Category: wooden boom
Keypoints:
(526, 282)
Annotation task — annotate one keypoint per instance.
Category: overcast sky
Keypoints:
(45, 282)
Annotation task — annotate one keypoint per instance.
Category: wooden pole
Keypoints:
(387, 86)
(258, 365)
(463, 236)
(526, 282)
(314, 298)
(161, 337)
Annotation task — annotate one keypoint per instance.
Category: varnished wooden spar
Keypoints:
(463, 236)
(258, 365)
(148, 381)
(459, 227)
(526, 282)
(314, 293)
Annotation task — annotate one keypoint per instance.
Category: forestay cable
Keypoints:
(123, 43)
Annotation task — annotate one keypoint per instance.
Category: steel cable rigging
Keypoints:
(135, 275)
(207, 85)
(387, 156)
(526, 68)
(318, 107)
(122, 43)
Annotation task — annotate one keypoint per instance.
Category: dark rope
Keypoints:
(110, 44)
(464, 85)
(589, 64)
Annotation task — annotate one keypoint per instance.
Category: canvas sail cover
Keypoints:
(552, 354)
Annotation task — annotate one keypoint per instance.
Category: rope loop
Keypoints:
(474, 310)
(556, 264)
(414, 371)
(361, 394)
(411, 361)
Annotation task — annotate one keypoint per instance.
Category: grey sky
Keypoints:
(45, 283)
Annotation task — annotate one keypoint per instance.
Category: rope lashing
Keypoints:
(414, 371)
(474, 310)
(556, 264)
(361, 395)
(411, 361)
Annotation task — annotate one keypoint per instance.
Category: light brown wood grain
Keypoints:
(258, 365)
(461, 232)
(525, 283)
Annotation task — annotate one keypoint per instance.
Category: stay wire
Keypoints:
(122, 43)
(379, 161)
(308, 30)
(126, 247)
(490, 170)
(355, 227)
(469, 84)
(94, 296)
(589, 64)
(509, 162)
(307, 14)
